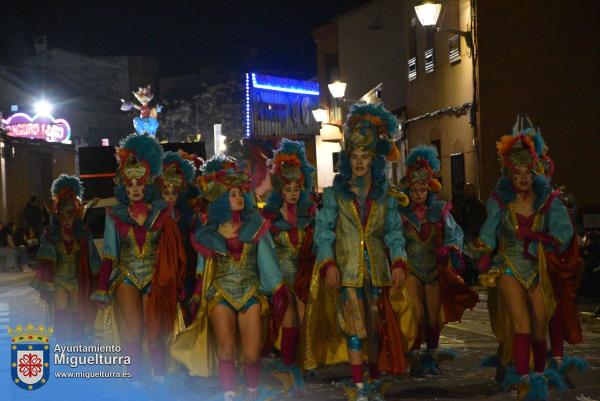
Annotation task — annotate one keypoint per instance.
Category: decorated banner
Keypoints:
(46, 127)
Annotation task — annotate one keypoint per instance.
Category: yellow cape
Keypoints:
(321, 342)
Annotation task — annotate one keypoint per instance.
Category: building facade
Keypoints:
(365, 49)
(440, 91)
(532, 60)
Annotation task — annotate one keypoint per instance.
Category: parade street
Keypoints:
(461, 379)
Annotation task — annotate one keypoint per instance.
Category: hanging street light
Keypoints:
(321, 115)
(337, 89)
(428, 12)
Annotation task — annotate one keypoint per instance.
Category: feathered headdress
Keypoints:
(196, 160)
(422, 166)
(220, 174)
(525, 147)
(67, 193)
(139, 157)
(371, 127)
(289, 164)
(176, 171)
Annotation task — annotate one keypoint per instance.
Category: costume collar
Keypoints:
(252, 223)
(121, 212)
(376, 192)
(433, 214)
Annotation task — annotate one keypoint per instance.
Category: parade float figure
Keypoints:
(434, 251)
(67, 260)
(291, 212)
(237, 273)
(143, 261)
(357, 230)
(147, 122)
(529, 226)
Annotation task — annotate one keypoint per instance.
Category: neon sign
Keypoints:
(285, 84)
(46, 127)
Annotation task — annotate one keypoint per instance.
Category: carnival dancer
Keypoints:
(434, 250)
(67, 261)
(356, 229)
(529, 225)
(291, 212)
(143, 260)
(189, 211)
(237, 272)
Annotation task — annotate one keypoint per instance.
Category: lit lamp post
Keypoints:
(337, 90)
(428, 12)
(329, 132)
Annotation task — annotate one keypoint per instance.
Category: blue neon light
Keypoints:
(269, 82)
(247, 105)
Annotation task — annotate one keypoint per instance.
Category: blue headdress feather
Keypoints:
(293, 147)
(425, 152)
(274, 201)
(145, 148)
(216, 163)
(377, 110)
(67, 181)
(184, 165)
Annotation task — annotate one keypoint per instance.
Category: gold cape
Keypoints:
(321, 342)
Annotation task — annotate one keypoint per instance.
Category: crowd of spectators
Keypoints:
(19, 244)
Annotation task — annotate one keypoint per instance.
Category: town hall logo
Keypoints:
(30, 356)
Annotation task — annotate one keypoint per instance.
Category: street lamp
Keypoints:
(321, 115)
(428, 12)
(329, 132)
(42, 108)
(337, 89)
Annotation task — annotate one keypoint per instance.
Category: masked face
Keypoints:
(291, 193)
(417, 193)
(66, 220)
(169, 194)
(135, 190)
(522, 178)
(236, 199)
(360, 162)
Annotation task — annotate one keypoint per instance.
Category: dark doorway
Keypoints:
(457, 166)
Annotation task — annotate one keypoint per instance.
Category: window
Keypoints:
(429, 61)
(429, 53)
(412, 50)
(412, 69)
(454, 49)
(453, 18)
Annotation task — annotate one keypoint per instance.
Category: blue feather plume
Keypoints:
(426, 152)
(389, 120)
(69, 181)
(145, 148)
(186, 166)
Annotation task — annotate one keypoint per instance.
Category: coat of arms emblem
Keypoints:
(30, 356)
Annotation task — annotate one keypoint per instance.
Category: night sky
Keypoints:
(185, 36)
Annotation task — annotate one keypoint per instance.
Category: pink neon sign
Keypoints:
(44, 127)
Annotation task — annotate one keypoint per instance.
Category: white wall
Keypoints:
(325, 172)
